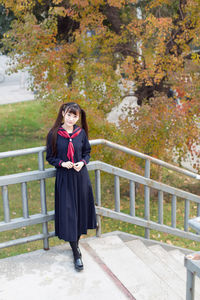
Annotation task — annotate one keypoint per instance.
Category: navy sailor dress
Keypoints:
(74, 201)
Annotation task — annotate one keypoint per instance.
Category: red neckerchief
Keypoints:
(65, 134)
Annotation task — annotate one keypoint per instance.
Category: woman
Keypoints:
(68, 149)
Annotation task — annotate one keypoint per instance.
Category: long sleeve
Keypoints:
(86, 150)
(52, 160)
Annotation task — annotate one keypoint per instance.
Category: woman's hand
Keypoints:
(67, 164)
(78, 166)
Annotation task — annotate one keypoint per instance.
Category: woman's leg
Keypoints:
(75, 250)
(78, 246)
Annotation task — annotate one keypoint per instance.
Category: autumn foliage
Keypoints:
(73, 48)
(162, 124)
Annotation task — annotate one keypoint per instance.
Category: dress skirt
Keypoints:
(74, 204)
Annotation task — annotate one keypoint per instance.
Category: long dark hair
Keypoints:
(70, 107)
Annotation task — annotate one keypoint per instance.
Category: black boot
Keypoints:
(78, 264)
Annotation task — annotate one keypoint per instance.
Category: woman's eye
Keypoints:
(72, 116)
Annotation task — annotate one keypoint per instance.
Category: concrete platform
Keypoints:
(50, 275)
(116, 266)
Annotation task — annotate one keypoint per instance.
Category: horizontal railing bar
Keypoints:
(107, 143)
(144, 156)
(22, 222)
(105, 212)
(27, 176)
(22, 152)
(48, 173)
(145, 181)
(27, 239)
(33, 175)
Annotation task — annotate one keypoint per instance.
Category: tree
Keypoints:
(54, 38)
(6, 17)
(73, 49)
(164, 129)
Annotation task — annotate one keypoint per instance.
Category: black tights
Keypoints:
(74, 246)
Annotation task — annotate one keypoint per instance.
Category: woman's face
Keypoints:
(70, 118)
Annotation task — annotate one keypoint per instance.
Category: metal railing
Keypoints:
(148, 160)
(192, 264)
(45, 216)
(26, 220)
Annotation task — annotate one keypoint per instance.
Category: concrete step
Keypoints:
(174, 283)
(139, 279)
(178, 255)
(50, 275)
(175, 265)
(168, 259)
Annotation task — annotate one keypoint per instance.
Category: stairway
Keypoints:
(114, 268)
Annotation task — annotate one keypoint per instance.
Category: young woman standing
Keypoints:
(68, 149)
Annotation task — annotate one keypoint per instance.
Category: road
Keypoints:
(13, 88)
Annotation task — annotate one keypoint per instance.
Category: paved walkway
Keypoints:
(13, 94)
(50, 275)
(13, 88)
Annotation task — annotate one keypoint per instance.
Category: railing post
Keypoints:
(6, 203)
(24, 200)
(43, 201)
(187, 213)
(132, 198)
(173, 214)
(147, 197)
(160, 207)
(198, 209)
(190, 285)
(98, 199)
(117, 194)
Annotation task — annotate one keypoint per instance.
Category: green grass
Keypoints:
(23, 126)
